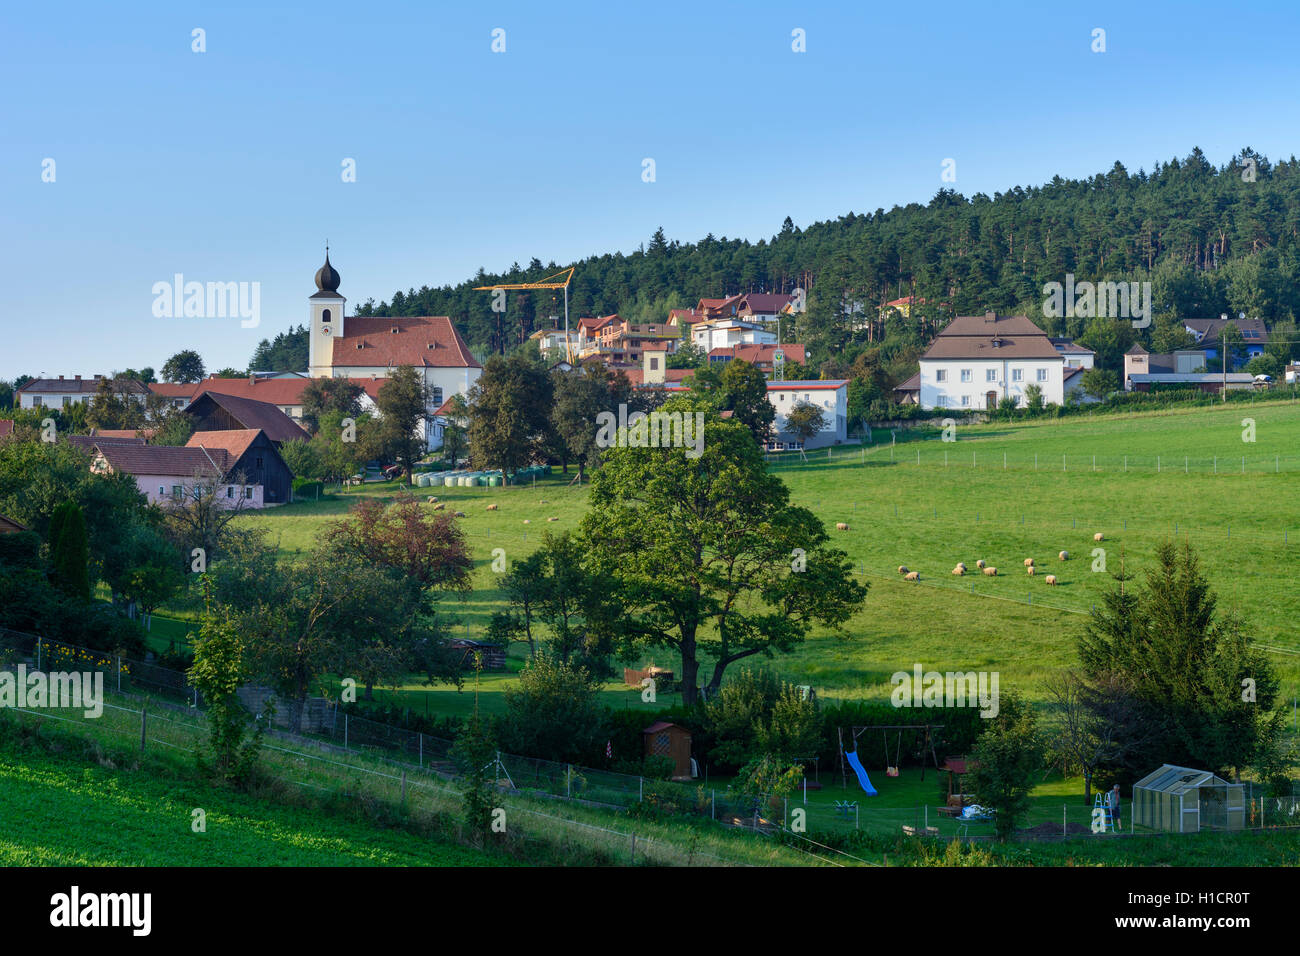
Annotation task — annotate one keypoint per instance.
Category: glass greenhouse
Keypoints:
(1182, 800)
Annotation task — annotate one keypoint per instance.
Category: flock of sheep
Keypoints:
(992, 572)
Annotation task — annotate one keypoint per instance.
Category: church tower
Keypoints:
(326, 321)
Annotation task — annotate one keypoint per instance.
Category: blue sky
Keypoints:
(226, 165)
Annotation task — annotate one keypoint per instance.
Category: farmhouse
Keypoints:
(284, 392)
(764, 357)
(216, 411)
(977, 361)
(243, 464)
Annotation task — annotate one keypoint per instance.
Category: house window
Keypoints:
(654, 364)
(965, 400)
(437, 395)
(161, 491)
(1017, 374)
(36, 401)
(259, 461)
(965, 375)
(325, 315)
(248, 491)
(941, 401)
(67, 400)
(990, 375)
(1042, 375)
(941, 375)
(176, 492)
(230, 491)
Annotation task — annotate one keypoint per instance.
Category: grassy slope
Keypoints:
(1246, 527)
(88, 815)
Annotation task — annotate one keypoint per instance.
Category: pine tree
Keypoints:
(70, 551)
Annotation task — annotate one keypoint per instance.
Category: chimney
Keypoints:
(78, 378)
(60, 378)
(252, 378)
(990, 316)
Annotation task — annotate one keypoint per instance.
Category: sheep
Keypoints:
(959, 570)
(525, 521)
(1031, 569)
(1050, 579)
(460, 514)
(841, 526)
(552, 519)
(439, 507)
(913, 576)
(432, 499)
(493, 507)
(1064, 555)
(1098, 537)
(979, 563)
(1029, 562)
(902, 569)
(962, 565)
(991, 572)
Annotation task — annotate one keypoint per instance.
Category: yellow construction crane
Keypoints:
(549, 282)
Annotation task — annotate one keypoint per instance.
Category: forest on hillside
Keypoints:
(1211, 240)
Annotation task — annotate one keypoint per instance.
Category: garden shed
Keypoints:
(1183, 800)
(663, 739)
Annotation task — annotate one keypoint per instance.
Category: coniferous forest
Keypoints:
(1211, 240)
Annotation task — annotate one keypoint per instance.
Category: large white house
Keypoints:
(370, 347)
(978, 360)
(721, 333)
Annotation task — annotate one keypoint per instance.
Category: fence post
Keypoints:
(713, 809)
(568, 780)
(421, 739)
(640, 789)
(142, 726)
(633, 835)
(119, 673)
(1065, 831)
(345, 731)
(403, 788)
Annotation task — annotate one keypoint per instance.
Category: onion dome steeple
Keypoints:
(327, 278)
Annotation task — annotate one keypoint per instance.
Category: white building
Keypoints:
(978, 360)
(61, 392)
(830, 395)
(721, 333)
(370, 347)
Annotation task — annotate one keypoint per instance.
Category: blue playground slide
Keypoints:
(863, 779)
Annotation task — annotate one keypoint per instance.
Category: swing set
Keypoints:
(922, 736)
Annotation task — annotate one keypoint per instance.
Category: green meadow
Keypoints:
(998, 492)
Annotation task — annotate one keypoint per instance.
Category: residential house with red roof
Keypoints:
(244, 465)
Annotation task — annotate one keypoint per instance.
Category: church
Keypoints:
(370, 347)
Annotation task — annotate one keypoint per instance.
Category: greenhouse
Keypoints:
(1182, 800)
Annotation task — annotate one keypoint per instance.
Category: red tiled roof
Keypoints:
(671, 375)
(275, 391)
(766, 303)
(144, 434)
(174, 389)
(233, 442)
(420, 341)
(762, 354)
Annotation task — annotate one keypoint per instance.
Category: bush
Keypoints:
(306, 488)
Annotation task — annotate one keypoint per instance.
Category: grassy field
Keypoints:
(988, 501)
(81, 814)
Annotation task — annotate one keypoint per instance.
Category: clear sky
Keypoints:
(226, 165)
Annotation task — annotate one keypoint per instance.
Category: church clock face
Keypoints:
(325, 330)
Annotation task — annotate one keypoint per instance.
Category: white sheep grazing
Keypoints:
(913, 575)
(1098, 537)
(433, 499)
(439, 507)
(959, 570)
(552, 519)
(962, 565)
(1029, 562)
(1032, 570)
(991, 572)
(1050, 579)
(902, 569)
(493, 507)
(979, 563)
(525, 521)
(841, 526)
(1064, 555)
